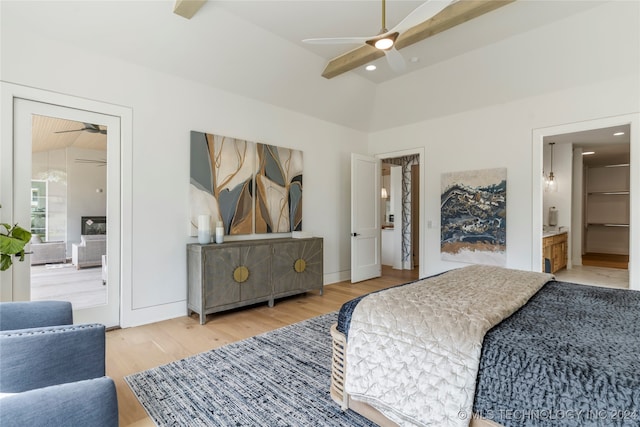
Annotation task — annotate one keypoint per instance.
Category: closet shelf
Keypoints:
(610, 193)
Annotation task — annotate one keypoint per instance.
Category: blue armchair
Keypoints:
(52, 373)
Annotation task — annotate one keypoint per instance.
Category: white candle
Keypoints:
(204, 229)
(219, 232)
(204, 222)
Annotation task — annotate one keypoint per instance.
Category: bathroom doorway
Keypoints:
(582, 184)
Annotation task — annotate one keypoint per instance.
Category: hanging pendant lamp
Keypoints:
(551, 184)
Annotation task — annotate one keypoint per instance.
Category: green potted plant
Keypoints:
(12, 242)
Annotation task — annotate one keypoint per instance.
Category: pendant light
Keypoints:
(551, 184)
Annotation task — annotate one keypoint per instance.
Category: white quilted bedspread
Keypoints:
(413, 351)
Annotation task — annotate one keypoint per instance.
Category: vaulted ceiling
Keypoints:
(254, 48)
(54, 134)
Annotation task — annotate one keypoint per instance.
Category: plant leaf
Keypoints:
(5, 262)
(10, 245)
(21, 233)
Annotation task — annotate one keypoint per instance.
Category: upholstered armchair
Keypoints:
(52, 373)
(88, 253)
(47, 252)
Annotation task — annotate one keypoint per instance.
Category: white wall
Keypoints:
(71, 190)
(165, 109)
(562, 171)
(579, 68)
(83, 179)
(500, 135)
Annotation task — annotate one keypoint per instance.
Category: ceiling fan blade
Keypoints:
(396, 60)
(461, 11)
(338, 40)
(92, 128)
(72, 130)
(96, 162)
(425, 11)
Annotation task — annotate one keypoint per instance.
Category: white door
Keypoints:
(26, 113)
(366, 173)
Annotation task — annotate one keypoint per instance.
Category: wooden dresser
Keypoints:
(234, 274)
(555, 249)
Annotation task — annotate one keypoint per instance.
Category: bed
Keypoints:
(489, 346)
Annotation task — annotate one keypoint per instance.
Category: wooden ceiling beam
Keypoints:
(187, 8)
(455, 14)
(350, 60)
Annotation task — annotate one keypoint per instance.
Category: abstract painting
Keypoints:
(473, 216)
(222, 170)
(278, 190)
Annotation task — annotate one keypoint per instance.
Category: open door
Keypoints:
(58, 192)
(366, 173)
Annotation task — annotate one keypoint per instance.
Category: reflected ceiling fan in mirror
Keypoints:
(88, 127)
(385, 40)
(428, 19)
(97, 162)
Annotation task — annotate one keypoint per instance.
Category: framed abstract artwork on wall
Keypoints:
(222, 170)
(278, 190)
(250, 187)
(473, 219)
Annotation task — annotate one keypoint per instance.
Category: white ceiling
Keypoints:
(147, 32)
(254, 48)
(608, 148)
(50, 133)
(295, 20)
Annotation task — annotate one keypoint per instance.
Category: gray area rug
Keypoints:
(280, 378)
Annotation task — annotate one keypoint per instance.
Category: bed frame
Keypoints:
(338, 363)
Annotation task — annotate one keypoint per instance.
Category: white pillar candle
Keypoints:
(204, 222)
(219, 232)
(204, 229)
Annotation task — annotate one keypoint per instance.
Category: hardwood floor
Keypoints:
(83, 288)
(606, 260)
(136, 349)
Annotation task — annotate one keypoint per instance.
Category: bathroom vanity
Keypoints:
(555, 249)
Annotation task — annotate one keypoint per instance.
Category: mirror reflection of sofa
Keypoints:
(47, 252)
(88, 253)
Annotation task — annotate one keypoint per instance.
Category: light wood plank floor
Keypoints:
(136, 349)
(63, 282)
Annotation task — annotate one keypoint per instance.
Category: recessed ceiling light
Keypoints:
(587, 153)
(370, 67)
(415, 59)
(618, 133)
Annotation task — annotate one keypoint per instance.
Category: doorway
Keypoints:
(53, 192)
(568, 143)
(68, 205)
(591, 203)
(402, 210)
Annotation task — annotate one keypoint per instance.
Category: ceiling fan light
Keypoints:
(383, 44)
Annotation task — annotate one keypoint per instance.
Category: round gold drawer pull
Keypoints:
(241, 274)
(300, 265)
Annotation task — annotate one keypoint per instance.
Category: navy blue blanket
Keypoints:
(569, 357)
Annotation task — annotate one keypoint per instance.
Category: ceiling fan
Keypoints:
(88, 127)
(97, 162)
(385, 40)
